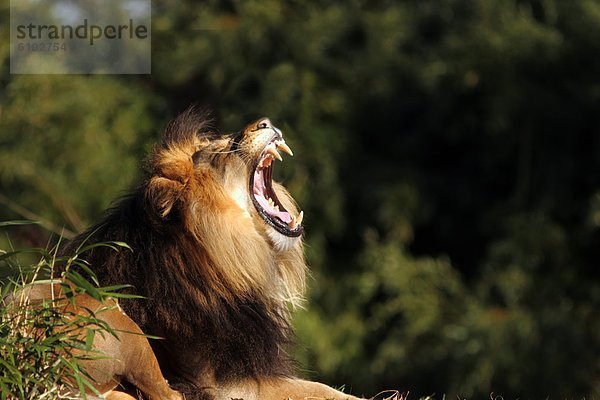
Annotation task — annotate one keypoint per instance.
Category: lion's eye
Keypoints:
(262, 125)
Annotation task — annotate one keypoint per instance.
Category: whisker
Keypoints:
(224, 152)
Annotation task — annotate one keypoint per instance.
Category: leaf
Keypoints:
(117, 295)
(18, 223)
(82, 283)
(88, 270)
(89, 339)
(9, 254)
(112, 245)
(115, 288)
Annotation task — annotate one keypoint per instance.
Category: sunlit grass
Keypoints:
(42, 345)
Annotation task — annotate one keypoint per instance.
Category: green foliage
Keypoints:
(40, 124)
(42, 343)
(446, 158)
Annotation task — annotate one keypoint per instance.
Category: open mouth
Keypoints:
(264, 197)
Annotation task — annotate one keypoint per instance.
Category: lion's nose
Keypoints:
(278, 133)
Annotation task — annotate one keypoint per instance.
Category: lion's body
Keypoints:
(218, 280)
(122, 355)
(206, 335)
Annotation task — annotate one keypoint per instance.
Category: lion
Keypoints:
(124, 354)
(218, 256)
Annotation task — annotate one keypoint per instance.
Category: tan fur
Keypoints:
(281, 389)
(125, 357)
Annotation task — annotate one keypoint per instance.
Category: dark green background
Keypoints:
(447, 159)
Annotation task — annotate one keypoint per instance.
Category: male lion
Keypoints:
(217, 253)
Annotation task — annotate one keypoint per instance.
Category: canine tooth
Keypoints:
(293, 223)
(276, 207)
(300, 218)
(273, 151)
(285, 148)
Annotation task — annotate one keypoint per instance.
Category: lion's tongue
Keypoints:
(259, 194)
(282, 215)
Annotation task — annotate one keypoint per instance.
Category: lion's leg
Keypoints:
(116, 395)
(130, 357)
(281, 389)
(298, 389)
(142, 369)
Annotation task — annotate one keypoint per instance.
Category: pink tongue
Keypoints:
(282, 215)
(259, 190)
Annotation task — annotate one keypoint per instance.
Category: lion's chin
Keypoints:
(282, 242)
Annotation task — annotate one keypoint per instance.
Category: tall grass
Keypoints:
(43, 346)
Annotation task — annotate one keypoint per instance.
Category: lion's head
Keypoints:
(219, 188)
(241, 164)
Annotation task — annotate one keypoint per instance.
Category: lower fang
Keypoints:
(300, 217)
(271, 150)
(293, 223)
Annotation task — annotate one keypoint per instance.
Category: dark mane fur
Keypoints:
(210, 337)
(193, 121)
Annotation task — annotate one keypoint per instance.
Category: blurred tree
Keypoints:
(71, 144)
(447, 159)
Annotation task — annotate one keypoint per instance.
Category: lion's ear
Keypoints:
(162, 193)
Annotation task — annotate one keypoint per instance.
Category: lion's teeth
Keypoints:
(285, 148)
(273, 151)
(276, 207)
(293, 223)
(266, 161)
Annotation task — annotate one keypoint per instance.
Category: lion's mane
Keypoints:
(215, 288)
